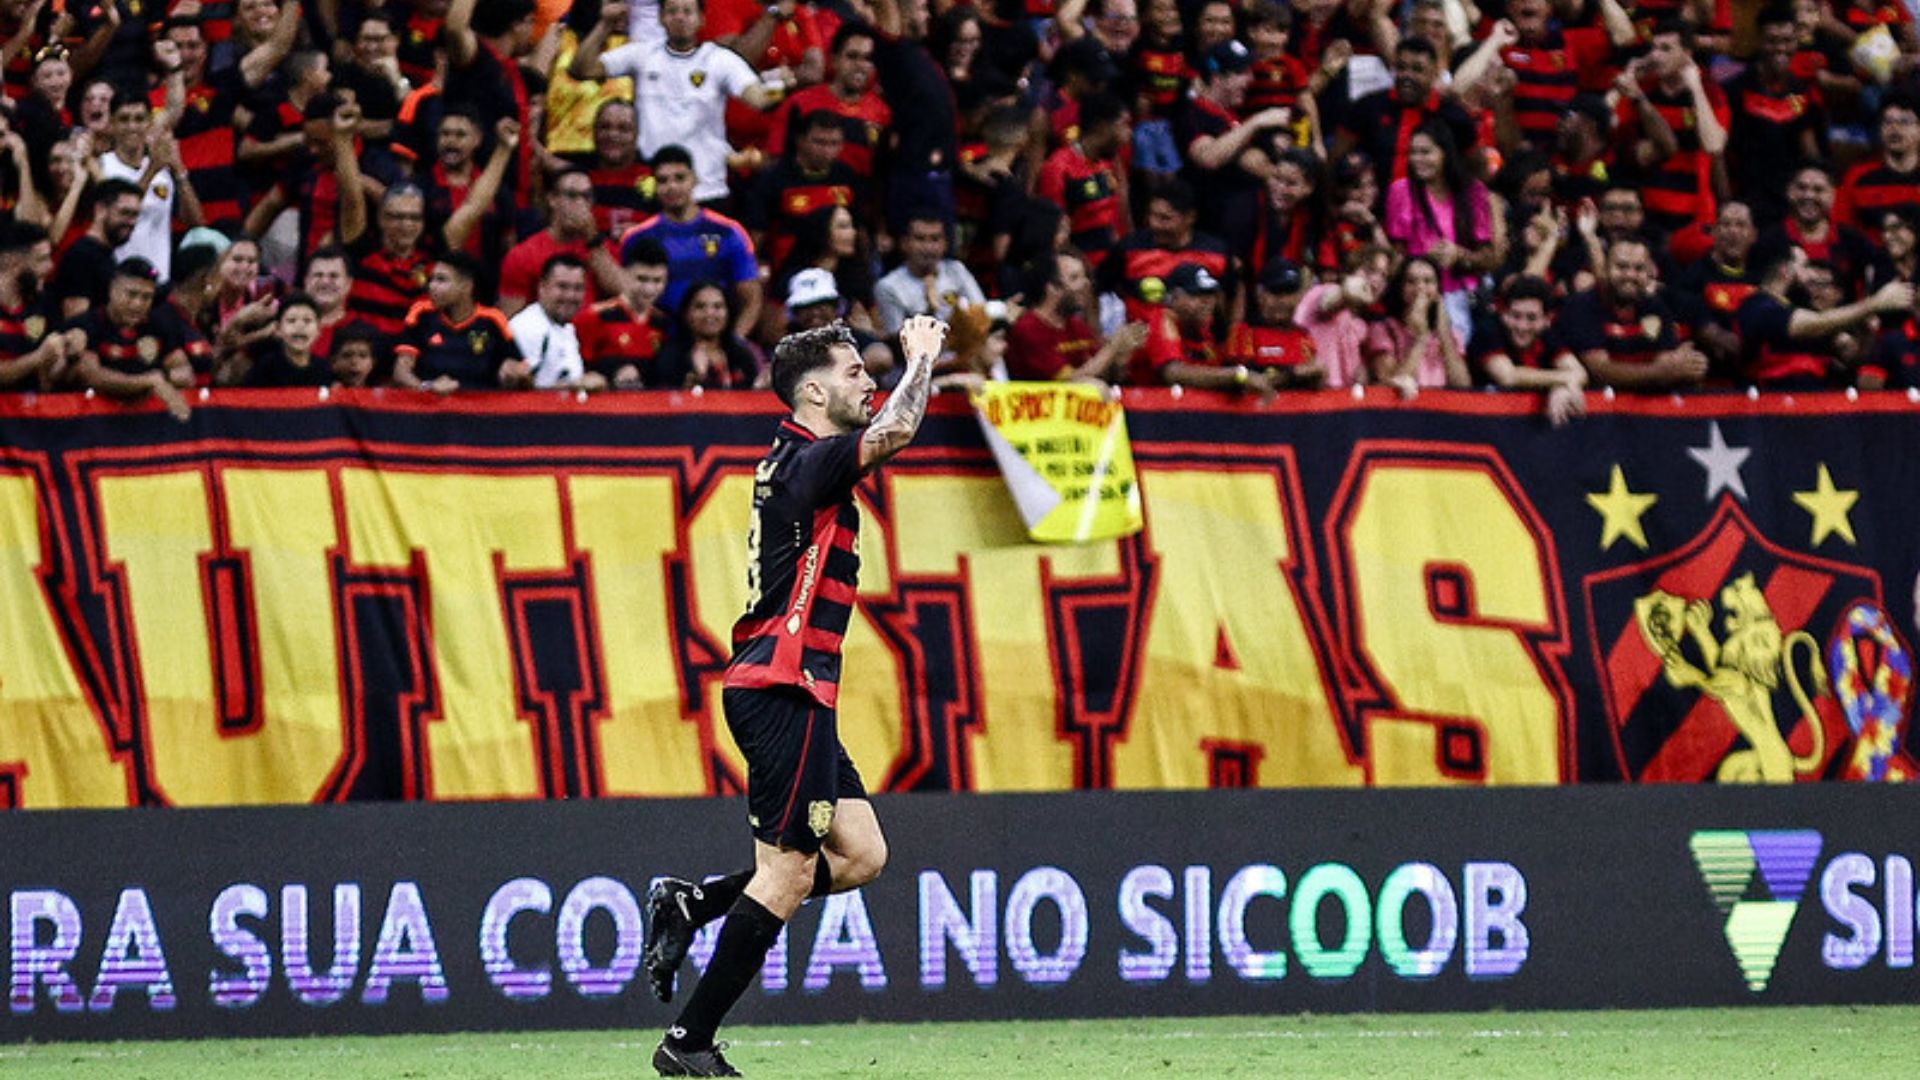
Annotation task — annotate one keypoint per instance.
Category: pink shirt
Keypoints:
(1409, 228)
(1337, 338)
(1389, 336)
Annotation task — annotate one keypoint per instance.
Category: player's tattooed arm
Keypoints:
(899, 419)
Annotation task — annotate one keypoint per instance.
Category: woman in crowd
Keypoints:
(1438, 211)
(1417, 344)
(705, 352)
(827, 239)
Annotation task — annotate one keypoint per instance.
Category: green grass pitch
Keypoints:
(1855, 1043)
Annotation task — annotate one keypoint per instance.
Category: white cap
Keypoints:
(811, 286)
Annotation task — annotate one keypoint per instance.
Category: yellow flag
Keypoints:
(1063, 450)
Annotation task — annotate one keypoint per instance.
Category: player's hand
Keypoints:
(1335, 57)
(346, 118)
(1687, 364)
(1278, 116)
(922, 337)
(1130, 337)
(508, 132)
(1504, 34)
(444, 385)
(613, 15)
(171, 397)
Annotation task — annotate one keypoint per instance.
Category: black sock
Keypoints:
(822, 878)
(749, 932)
(710, 900)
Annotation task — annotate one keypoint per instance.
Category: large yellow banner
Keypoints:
(515, 598)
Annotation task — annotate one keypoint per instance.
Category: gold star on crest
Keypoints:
(1829, 507)
(1620, 511)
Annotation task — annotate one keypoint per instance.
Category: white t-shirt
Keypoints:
(682, 100)
(553, 351)
(152, 237)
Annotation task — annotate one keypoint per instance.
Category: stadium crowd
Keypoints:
(1242, 195)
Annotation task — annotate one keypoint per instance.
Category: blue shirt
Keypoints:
(711, 247)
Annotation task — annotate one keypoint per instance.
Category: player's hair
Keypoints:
(565, 260)
(1044, 271)
(553, 186)
(800, 355)
(1267, 13)
(671, 154)
(405, 189)
(331, 251)
(181, 22)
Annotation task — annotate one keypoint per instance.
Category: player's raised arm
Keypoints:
(899, 418)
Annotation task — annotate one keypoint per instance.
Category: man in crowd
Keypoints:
(1051, 341)
(621, 336)
(126, 351)
(926, 282)
(1625, 332)
(701, 245)
(543, 330)
(451, 342)
(30, 343)
(850, 96)
(570, 229)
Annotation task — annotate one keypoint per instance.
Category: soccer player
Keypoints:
(814, 832)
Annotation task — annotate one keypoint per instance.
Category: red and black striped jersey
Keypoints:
(1679, 190)
(1547, 75)
(22, 330)
(419, 47)
(803, 565)
(1277, 84)
(1139, 267)
(205, 136)
(864, 121)
(1089, 192)
(1872, 188)
(623, 196)
(136, 350)
(1269, 347)
(1161, 75)
(386, 286)
(1636, 334)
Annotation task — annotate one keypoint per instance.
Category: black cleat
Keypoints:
(669, 935)
(670, 1061)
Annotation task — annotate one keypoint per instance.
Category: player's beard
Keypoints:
(851, 414)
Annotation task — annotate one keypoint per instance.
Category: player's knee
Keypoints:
(868, 860)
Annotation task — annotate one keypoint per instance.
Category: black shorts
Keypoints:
(796, 768)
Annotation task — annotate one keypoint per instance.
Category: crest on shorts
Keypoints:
(820, 816)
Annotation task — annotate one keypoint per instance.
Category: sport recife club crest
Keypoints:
(1734, 658)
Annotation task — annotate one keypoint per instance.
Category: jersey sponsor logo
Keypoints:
(810, 573)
